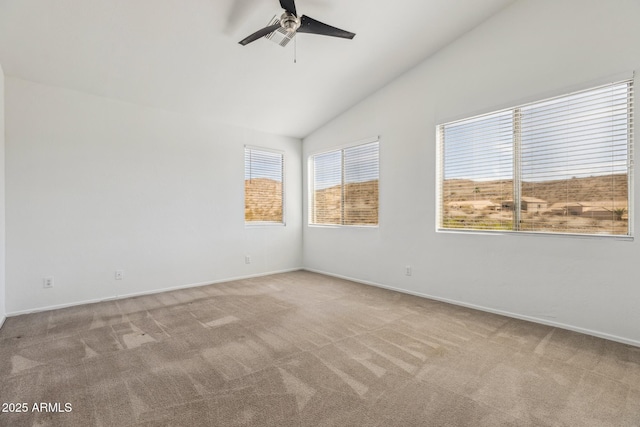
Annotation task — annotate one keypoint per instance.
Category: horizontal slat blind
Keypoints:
(263, 182)
(478, 172)
(345, 186)
(361, 173)
(567, 160)
(575, 155)
(327, 188)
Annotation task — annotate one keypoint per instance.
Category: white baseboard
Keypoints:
(2, 319)
(150, 292)
(578, 329)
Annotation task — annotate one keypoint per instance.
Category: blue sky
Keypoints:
(578, 135)
(361, 165)
(263, 164)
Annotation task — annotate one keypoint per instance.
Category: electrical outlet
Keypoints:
(407, 270)
(247, 259)
(47, 282)
(119, 274)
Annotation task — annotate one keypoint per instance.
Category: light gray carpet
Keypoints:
(302, 349)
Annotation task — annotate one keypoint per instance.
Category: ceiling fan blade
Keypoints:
(260, 33)
(289, 6)
(310, 25)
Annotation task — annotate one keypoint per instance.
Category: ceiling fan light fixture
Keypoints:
(289, 22)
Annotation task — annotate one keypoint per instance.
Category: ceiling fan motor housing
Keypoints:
(289, 22)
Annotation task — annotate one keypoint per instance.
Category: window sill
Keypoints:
(343, 226)
(264, 224)
(624, 238)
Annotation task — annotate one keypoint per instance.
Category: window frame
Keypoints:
(311, 182)
(283, 223)
(440, 147)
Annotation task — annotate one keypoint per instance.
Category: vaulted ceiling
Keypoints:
(184, 56)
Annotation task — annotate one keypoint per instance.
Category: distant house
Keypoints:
(593, 209)
(533, 204)
(529, 204)
(563, 208)
(605, 209)
(507, 205)
(573, 208)
(598, 212)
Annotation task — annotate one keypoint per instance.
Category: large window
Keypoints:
(263, 186)
(345, 186)
(561, 165)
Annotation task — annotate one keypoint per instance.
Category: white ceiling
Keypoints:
(184, 56)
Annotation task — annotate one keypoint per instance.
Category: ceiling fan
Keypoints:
(292, 24)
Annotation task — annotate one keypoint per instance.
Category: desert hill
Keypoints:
(361, 204)
(263, 200)
(595, 188)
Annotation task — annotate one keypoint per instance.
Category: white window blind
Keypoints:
(345, 186)
(263, 186)
(561, 165)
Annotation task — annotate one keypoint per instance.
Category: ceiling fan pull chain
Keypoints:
(295, 50)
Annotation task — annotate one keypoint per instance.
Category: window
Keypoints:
(263, 186)
(345, 186)
(561, 165)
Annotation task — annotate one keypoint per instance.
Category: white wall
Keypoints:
(3, 310)
(533, 49)
(95, 185)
